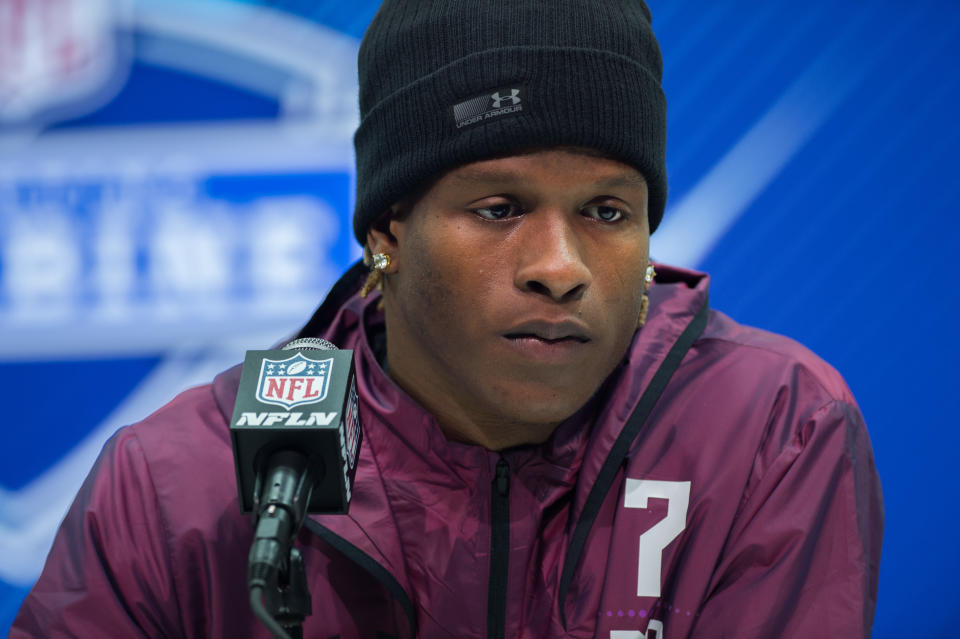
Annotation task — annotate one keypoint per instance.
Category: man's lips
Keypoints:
(548, 342)
(551, 344)
(549, 332)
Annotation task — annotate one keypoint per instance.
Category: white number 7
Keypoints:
(654, 631)
(652, 542)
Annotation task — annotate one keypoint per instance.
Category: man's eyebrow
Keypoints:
(478, 176)
(626, 179)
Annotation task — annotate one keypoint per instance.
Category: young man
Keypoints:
(556, 443)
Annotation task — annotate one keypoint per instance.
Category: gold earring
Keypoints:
(650, 274)
(379, 263)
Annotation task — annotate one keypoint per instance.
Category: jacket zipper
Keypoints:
(499, 552)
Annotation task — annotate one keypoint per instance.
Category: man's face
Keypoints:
(515, 288)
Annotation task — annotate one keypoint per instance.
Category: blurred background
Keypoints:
(176, 185)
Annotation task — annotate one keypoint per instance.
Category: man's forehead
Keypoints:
(600, 170)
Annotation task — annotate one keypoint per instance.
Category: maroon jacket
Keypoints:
(743, 502)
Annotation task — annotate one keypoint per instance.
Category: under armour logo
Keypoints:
(499, 99)
(503, 102)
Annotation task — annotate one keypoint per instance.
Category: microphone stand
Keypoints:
(277, 577)
(289, 601)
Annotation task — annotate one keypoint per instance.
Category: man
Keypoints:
(560, 439)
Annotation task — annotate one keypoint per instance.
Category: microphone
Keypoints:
(296, 434)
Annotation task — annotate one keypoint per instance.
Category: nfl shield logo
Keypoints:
(61, 58)
(293, 381)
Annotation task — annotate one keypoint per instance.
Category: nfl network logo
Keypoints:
(293, 381)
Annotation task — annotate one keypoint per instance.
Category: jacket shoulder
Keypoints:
(186, 444)
(757, 352)
(192, 418)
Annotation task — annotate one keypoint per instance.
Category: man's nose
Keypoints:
(552, 261)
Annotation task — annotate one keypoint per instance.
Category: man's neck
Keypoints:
(461, 425)
(495, 435)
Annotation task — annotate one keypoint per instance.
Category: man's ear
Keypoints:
(380, 239)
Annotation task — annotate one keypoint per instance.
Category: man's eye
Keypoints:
(604, 213)
(498, 211)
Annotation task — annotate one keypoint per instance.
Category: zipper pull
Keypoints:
(502, 480)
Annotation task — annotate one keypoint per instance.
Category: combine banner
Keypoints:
(176, 183)
(133, 234)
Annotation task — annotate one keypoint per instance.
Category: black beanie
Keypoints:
(444, 83)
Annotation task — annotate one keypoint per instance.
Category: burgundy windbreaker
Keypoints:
(739, 500)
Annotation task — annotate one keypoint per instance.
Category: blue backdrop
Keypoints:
(176, 185)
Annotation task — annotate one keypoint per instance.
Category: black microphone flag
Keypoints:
(301, 399)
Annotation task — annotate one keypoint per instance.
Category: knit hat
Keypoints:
(444, 83)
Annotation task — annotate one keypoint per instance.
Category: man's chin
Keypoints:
(544, 407)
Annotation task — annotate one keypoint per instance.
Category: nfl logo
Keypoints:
(293, 381)
(60, 58)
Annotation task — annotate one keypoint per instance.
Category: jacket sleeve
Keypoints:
(107, 574)
(803, 555)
